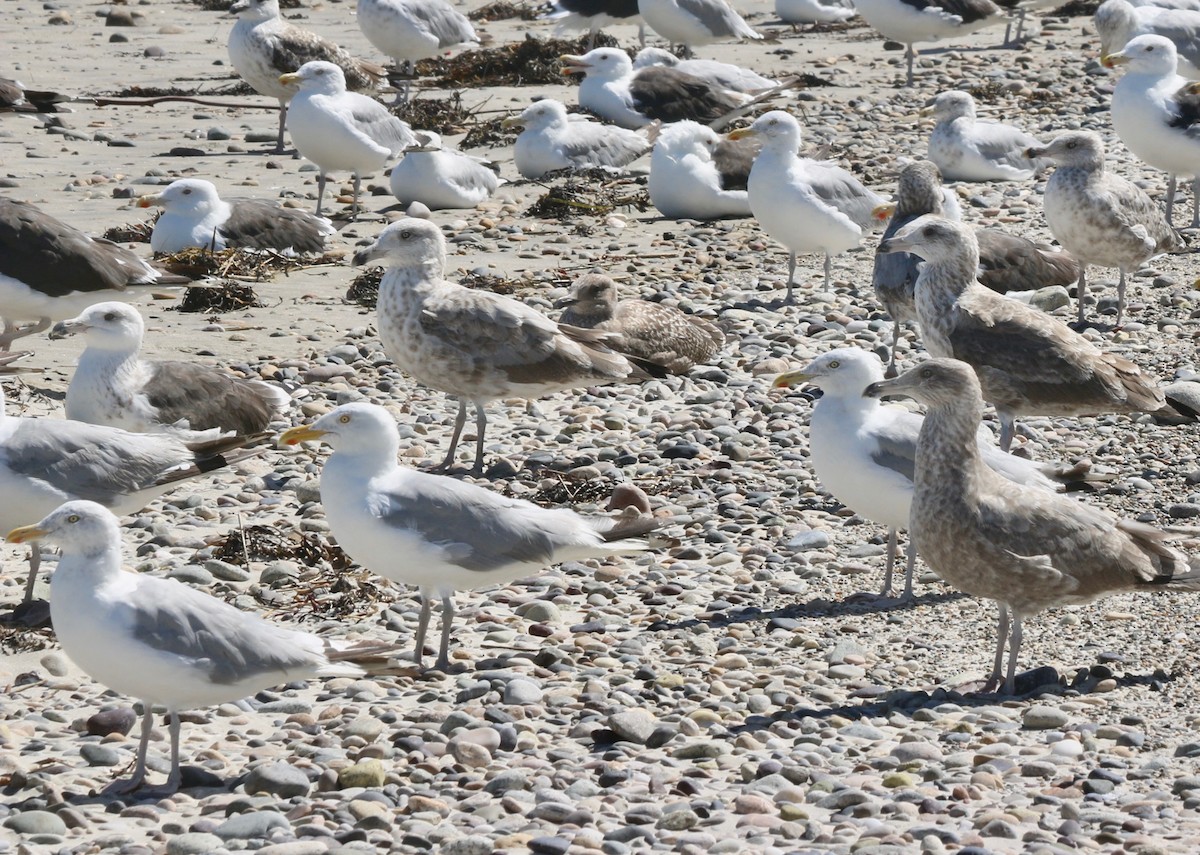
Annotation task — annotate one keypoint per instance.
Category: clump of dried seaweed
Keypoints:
(138, 232)
(579, 195)
(246, 265)
(268, 543)
(339, 594)
(1077, 9)
(488, 282)
(444, 115)
(364, 290)
(502, 10)
(24, 639)
(562, 491)
(995, 93)
(223, 5)
(228, 297)
(488, 133)
(532, 61)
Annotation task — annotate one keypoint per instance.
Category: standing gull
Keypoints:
(263, 46)
(1029, 363)
(408, 30)
(966, 149)
(806, 205)
(475, 345)
(440, 177)
(552, 140)
(194, 215)
(695, 22)
(436, 533)
(1118, 21)
(159, 640)
(340, 130)
(696, 174)
(592, 15)
(1157, 115)
(720, 74)
(912, 21)
(1026, 549)
(1100, 218)
(50, 271)
(650, 331)
(114, 386)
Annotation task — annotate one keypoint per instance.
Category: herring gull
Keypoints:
(967, 149)
(695, 22)
(813, 11)
(1029, 363)
(340, 130)
(159, 640)
(592, 15)
(195, 215)
(552, 140)
(806, 205)
(1100, 218)
(476, 345)
(263, 46)
(437, 533)
(408, 30)
(1025, 548)
(1156, 114)
(440, 177)
(114, 386)
(696, 174)
(864, 451)
(720, 74)
(1118, 21)
(659, 334)
(912, 21)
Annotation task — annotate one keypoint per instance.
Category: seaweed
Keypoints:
(528, 62)
(364, 290)
(502, 10)
(138, 232)
(229, 297)
(253, 265)
(444, 115)
(268, 543)
(577, 195)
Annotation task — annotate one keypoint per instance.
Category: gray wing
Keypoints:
(374, 121)
(1131, 207)
(894, 276)
(717, 16)
(593, 144)
(896, 444)
(263, 224)
(449, 25)
(1182, 28)
(837, 187)
(1004, 144)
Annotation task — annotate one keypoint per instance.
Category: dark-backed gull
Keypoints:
(592, 15)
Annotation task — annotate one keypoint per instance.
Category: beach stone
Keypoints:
(1041, 717)
(633, 725)
(811, 539)
(56, 663)
(33, 822)
(521, 692)
(474, 844)
(226, 572)
(117, 720)
(295, 847)
(99, 755)
(279, 779)
(908, 752)
(369, 774)
(254, 825)
(193, 843)
(119, 17)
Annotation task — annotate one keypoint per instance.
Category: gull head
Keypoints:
(844, 372)
(408, 242)
(932, 238)
(539, 115)
(255, 10)
(1077, 148)
(602, 63)
(937, 383)
(358, 427)
(187, 195)
(75, 527)
(919, 183)
(1148, 54)
(108, 326)
(592, 294)
(652, 56)
(681, 138)
(1115, 22)
(317, 76)
(948, 106)
(776, 128)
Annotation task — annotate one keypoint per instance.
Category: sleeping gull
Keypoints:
(613, 90)
(812, 11)
(1025, 548)
(863, 451)
(408, 30)
(660, 334)
(45, 462)
(1006, 262)
(695, 174)
(1098, 217)
(1156, 114)
(695, 22)
(194, 215)
(1029, 363)
(475, 345)
(552, 140)
(806, 205)
(114, 386)
(967, 149)
(159, 640)
(440, 177)
(263, 46)
(340, 130)
(1118, 21)
(592, 15)
(912, 21)
(436, 533)
(50, 271)
(721, 74)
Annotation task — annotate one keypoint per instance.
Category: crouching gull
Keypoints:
(592, 15)
(194, 215)
(967, 149)
(45, 462)
(440, 177)
(50, 271)
(340, 130)
(436, 533)
(806, 205)
(161, 641)
(721, 74)
(864, 452)
(552, 140)
(1025, 548)
(476, 345)
(1029, 363)
(263, 46)
(660, 334)
(913, 21)
(114, 386)
(696, 174)
(1099, 217)
(695, 22)
(1119, 21)
(1156, 113)
(408, 30)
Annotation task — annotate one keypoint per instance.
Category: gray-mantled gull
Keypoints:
(50, 271)
(552, 140)
(195, 215)
(1025, 548)
(592, 15)
(1156, 113)
(912, 21)
(633, 99)
(476, 345)
(440, 177)
(437, 533)
(1098, 217)
(1118, 21)
(263, 46)
(696, 174)
(864, 451)
(114, 386)
(1029, 363)
(159, 640)
(340, 130)
(695, 22)
(812, 11)
(660, 334)
(806, 205)
(45, 462)
(721, 74)
(967, 149)
(408, 30)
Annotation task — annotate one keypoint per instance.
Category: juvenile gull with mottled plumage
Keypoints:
(437, 533)
(967, 149)
(552, 140)
(476, 345)
(1026, 549)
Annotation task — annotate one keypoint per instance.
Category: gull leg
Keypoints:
(891, 565)
(422, 627)
(458, 429)
(592, 36)
(909, 567)
(480, 429)
(642, 35)
(1195, 204)
(35, 564)
(993, 681)
(1010, 682)
(282, 125)
(910, 55)
(139, 769)
(828, 271)
(1081, 289)
(443, 660)
(891, 367)
(791, 298)
(1170, 203)
(176, 776)
(320, 190)
(1121, 296)
(354, 204)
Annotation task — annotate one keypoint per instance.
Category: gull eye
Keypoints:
(344, 419)
(405, 234)
(1072, 144)
(73, 518)
(927, 232)
(926, 373)
(187, 191)
(110, 316)
(834, 364)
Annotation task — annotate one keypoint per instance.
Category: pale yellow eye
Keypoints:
(834, 364)
(73, 518)
(344, 419)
